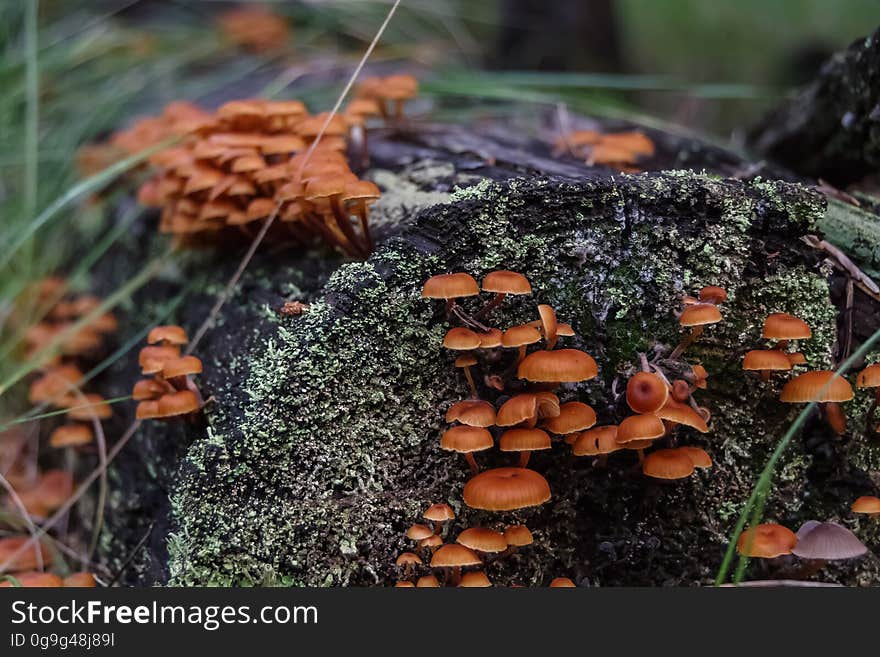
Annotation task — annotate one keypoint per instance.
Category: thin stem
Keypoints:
(688, 340)
(472, 463)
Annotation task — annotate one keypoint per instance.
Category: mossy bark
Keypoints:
(322, 442)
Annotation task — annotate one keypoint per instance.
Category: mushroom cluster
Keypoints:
(824, 387)
(170, 392)
(525, 420)
(59, 384)
(250, 160)
(462, 562)
(619, 150)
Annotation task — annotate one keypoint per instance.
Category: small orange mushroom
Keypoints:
(465, 440)
(524, 441)
(766, 541)
(506, 489)
(646, 392)
(696, 317)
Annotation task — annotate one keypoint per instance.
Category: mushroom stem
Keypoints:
(494, 303)
(470, 380)
(472, 462)
(765, 375)
(688, 340)
(365, 227)
(454, 576)
(522, 354)
(524, 459)
(643, 359)
(344, 223)
(641, 454)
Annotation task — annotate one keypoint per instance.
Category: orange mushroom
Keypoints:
(465, 440)
(506, 489)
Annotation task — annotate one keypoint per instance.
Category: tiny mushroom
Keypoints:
(438, 514)
(562, 583)
(820, 542)
(784, 327)
(824, 387)
(696, 317)
(71, 435)
(524, 441)
(465, 362)
(867, 504)
(520, 336)
(870, 378)
(451, 558)
(639, 428)
(474, 579)
(475, 413)
(766, 361)
(668, 464)
(481, 539)
(646, 392)
(450, 287)
(465, 440)
(712, 294)
(558, 366)
(506, 489)
(502, 283)
(766, 541)
(573, 416)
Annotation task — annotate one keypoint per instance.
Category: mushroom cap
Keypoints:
(518, 536)
(573, 416)
(450, 286)
(82, 580)
(558, 366)
(766, 541)
(562, 583)
(646, 392)
(698, 456)
(453, 555)
(147, 409)
(517, 409)
(439, 513)
(713, 294)
(482, 539)
(597, 441)
(699, 372)
(828, 541)
(782, 326)
(506, 282)
(506, 489)
(407, 558)
(491, 338)
(668, 464)
(517, 336)
(148, 389)
(27, 560)
(548, 404)
(431, 542)
(565, 330)
(869, 377)
(866, 504)
(819, 386)
(681, 390)
(700, 314)
(403, 584)
(71, 435)
(796, 358)
(464, 439)
(646, 426)
(474, 579)
(524, 440)
(682, 413)
(549, 323)
(461, 339)
(466, 360)
(55, 383)
(181, 366)
(765, 360)
(90, 406)
(473, 412)
(182, 402)
(34, 579)
(152, 358)
(419, 532)
(361, 190)
(427, 582)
